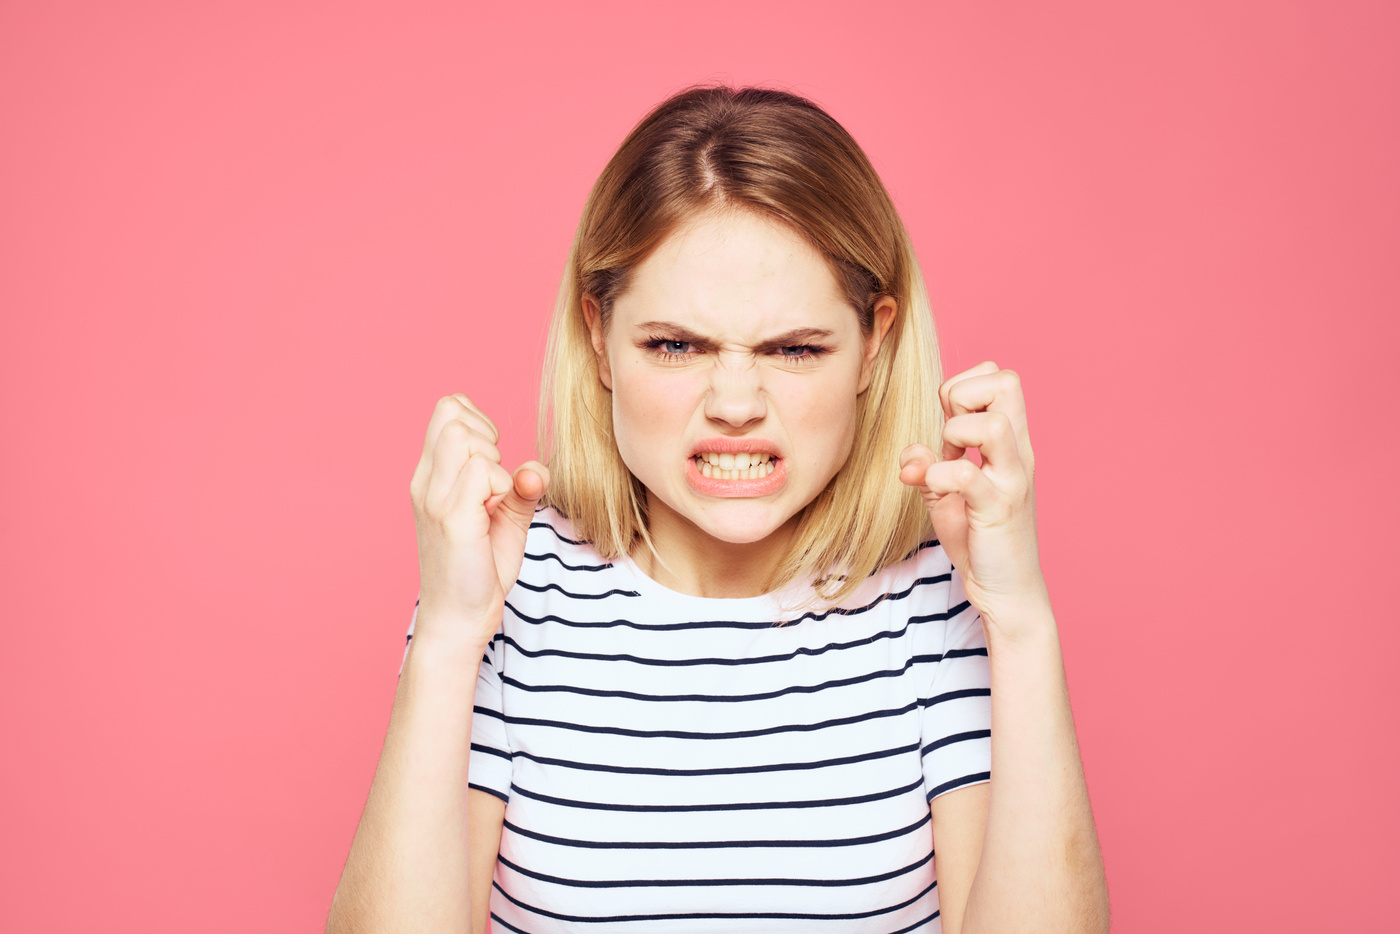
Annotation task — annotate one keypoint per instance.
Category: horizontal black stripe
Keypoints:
(576, 596)
(714, 915)
(546, 525)
(757, 660)
(954, 695)
(957, 782)
(488, 712)
(740, 624)
(916, 924)
(568, 567)
(496, 919)
(754, 660)
(731, 770)
(702, 883)
(931, 543)
(954, 738)
(734, 734)
(489, 791)
(717, 844)
(728, 806)
(477, 747)
(718, 698)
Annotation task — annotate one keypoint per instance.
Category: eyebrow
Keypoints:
(795, 337)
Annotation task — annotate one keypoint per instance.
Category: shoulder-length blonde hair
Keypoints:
(786, 159)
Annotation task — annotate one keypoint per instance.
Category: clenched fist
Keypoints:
(471, 517)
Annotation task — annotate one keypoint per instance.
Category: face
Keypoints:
(733, 339)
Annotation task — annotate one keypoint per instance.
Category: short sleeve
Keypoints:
(956, 709)
(488, 768)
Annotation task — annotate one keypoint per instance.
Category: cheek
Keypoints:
(821, 419)
(649, 408)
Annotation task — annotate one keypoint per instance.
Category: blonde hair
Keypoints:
(784, 158)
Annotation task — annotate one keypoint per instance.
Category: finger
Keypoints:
(964, 478)
(455, 446)
(946, 386)
(472, 407)
(459, 442)
(481, 480)
(995, 392)
(992, 434)
(473, 422)
(449, 409)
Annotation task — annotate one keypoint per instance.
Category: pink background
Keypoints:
(244, 247)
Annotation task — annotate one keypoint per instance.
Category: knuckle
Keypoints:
(999, 426)
(964, 470)
(455, 428)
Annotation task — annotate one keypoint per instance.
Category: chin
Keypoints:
(738, 524)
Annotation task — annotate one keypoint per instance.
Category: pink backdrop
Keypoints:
(245, 246)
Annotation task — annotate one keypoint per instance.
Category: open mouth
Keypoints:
(716, 466)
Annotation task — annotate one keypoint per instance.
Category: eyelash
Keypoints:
(655, 346)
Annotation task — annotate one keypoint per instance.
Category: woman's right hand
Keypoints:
(472, 517)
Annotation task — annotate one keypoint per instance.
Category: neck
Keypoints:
(703, 566)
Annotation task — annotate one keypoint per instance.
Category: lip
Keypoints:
(736, 446)
(731, 489)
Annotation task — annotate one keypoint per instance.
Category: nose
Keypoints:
(736, 393)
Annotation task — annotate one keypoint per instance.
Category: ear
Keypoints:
(883, 318)
(593, 317)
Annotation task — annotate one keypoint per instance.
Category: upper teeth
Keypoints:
(734, 466)
(734, 461)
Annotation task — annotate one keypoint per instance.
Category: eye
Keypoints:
(669, 349)
(801, 353)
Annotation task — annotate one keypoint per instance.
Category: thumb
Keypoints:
(528, 485)
(914, 462)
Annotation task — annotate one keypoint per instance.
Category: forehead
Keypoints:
(735, 275)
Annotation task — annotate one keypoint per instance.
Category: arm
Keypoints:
(959, 822)
(1037, 865)
(408, 864)
(486, 814)
(1023, 846)
(417, 856)
(1040, 854)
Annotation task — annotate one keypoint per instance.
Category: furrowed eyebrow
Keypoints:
(795, 337)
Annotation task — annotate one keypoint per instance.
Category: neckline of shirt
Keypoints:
(766, 605)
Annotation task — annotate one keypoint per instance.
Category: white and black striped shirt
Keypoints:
(674, 763)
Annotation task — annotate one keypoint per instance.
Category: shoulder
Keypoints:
(922, 578)
(922, 592)
(557, 561)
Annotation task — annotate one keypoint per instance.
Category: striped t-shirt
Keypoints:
(673, 763)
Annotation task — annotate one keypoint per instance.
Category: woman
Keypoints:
(745, 655)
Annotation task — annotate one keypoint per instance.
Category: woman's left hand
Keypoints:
(985, 516)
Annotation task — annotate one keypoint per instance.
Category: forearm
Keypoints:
(1041, 867)
(407, 869)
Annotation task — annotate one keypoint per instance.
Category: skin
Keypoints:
(1019, 853)
(718, 292)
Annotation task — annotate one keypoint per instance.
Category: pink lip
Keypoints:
(710, 486)
(736, 446)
